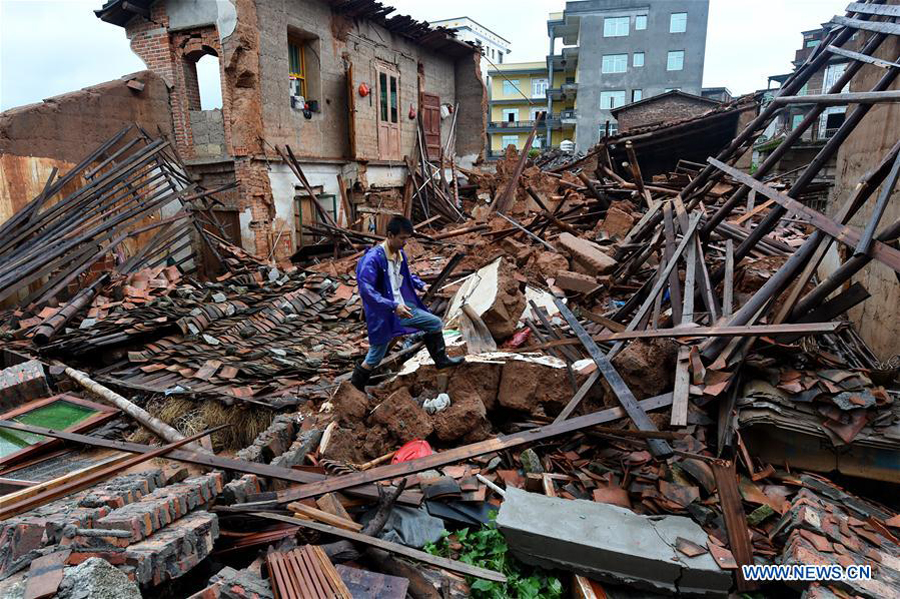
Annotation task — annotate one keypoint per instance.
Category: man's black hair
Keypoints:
(400, 224)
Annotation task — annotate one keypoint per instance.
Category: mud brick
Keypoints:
(156, 558)
(253, 453)
(123, 490)
(22, 383)
(116, 557)
(574, 281)
(586, 255)
(239, 489)
(18, 538)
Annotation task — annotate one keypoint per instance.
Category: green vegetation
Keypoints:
(487, 548)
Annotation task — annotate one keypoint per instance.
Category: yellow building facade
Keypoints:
(518, 93)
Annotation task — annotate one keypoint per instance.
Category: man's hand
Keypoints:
(402, 311)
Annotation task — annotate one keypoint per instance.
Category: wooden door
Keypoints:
(430, 106)
(388, 99)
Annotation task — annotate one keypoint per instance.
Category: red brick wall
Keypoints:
(173, 57)
(255, 191)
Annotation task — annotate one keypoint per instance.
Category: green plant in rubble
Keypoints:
(486, 547)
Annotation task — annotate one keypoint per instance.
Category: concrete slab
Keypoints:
(609, 543)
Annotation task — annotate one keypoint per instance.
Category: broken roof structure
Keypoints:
(660, 383)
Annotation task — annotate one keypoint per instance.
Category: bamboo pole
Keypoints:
(152, 423)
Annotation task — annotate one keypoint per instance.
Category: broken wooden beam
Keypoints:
(658, 447)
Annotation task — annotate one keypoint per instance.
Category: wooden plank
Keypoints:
(465, 452)
(759, 330)
(846, 235)
(735, 519)
(11, 498)
(345, 202)
(658, 286)
(45, 574)
(324, 517)
(331, 504)
(658, 447)
(834, 307)
(674, 281)
(874, 9)
(863, 58)
(681, 391)
(728, 286)
(876, 26)
(212, 461)
(841, 99)
(421, 556)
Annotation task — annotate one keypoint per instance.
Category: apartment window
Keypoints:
(297, 68)
(539, 88)
(813, 43)
(615, 26)
(613, 129)
(638, 59)
(510, 87)
(637, 95)
(675, 61)
(510, 140)
(640, 22)
(612, 99)
(499, 57)
(678, 22)
(510, 115)
(615, 63)
(795, 122)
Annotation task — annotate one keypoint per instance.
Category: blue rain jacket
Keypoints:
(378, 299)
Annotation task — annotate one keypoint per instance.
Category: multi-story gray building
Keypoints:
(622, 51)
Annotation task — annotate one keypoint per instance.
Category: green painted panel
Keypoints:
(58, 415)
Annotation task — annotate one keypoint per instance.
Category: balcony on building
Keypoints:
(565, 61)
(510, 126)
(564, 25)
(566, 91)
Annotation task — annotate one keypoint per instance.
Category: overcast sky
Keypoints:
(49, 47)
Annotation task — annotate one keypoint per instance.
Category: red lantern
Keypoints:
(364, 90)
(412, 115)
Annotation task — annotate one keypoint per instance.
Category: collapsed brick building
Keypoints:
(338, 81)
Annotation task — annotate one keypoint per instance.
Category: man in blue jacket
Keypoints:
(391, 305)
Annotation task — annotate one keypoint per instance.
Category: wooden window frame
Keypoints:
(300, 75)
(104, 414)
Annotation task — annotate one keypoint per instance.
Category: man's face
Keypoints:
(398, 241)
